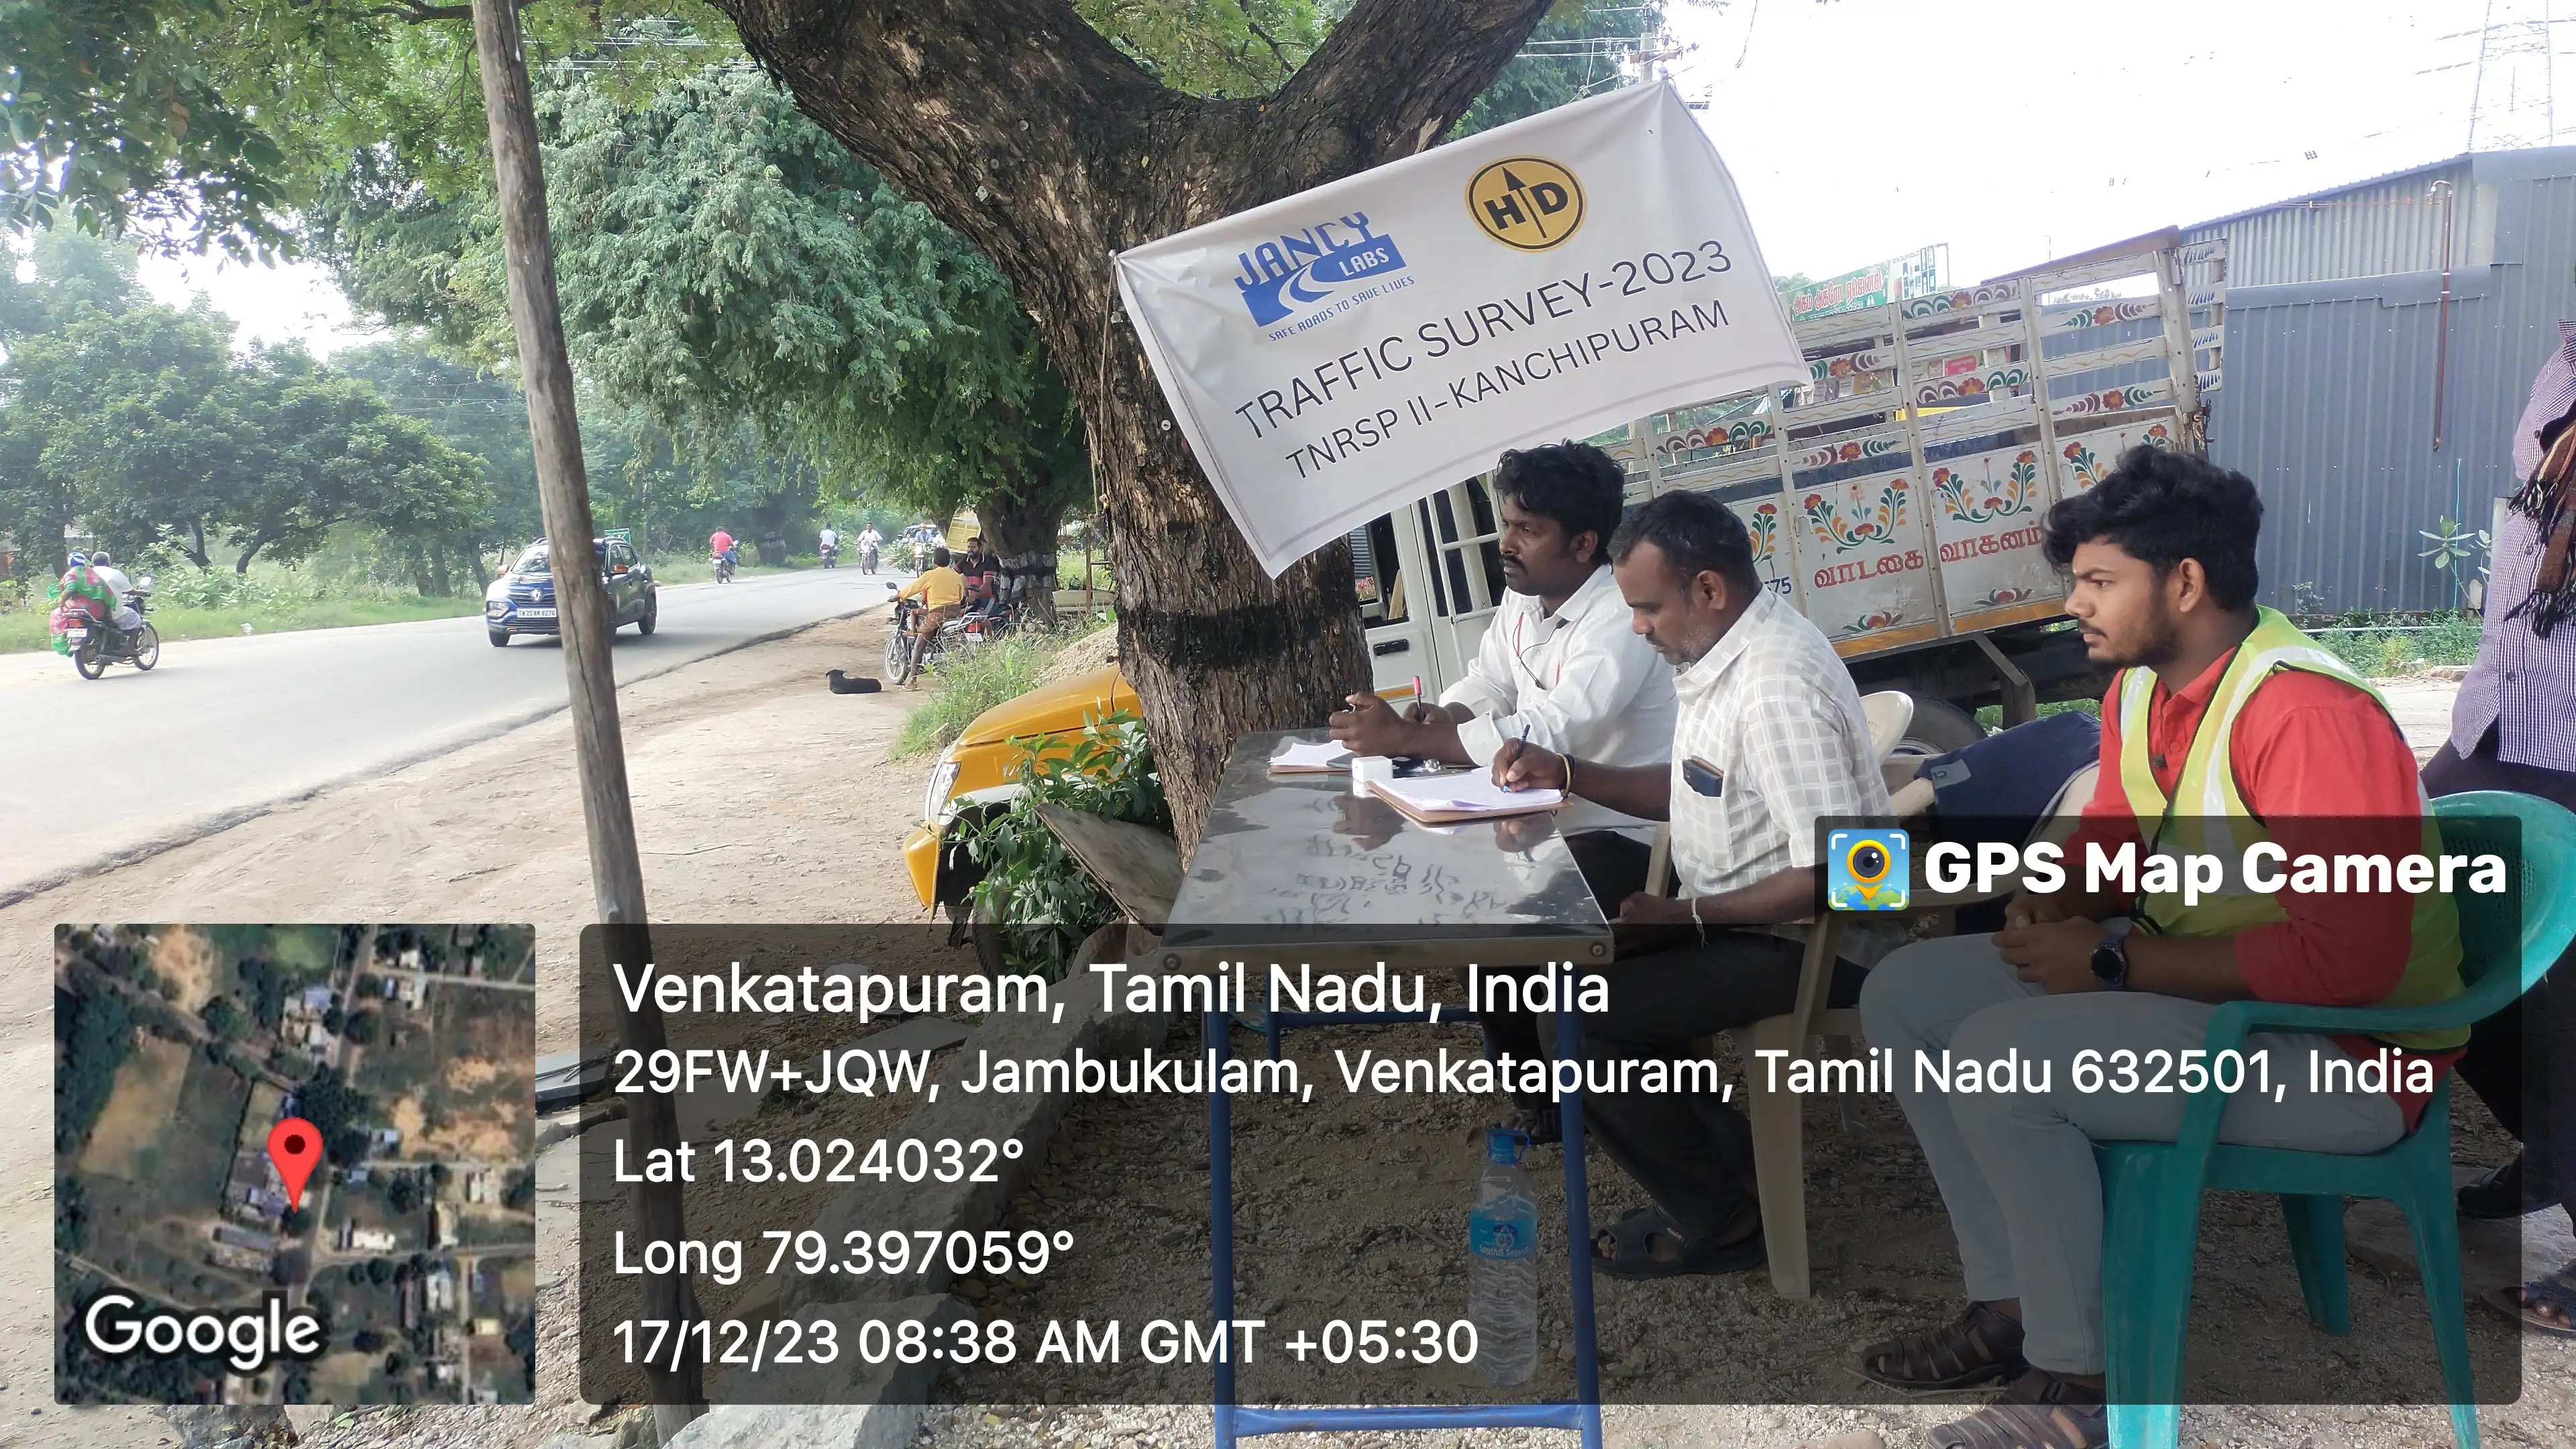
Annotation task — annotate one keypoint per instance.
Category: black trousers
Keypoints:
(2522, 1061)
(1614, 868)
(1691, 1152)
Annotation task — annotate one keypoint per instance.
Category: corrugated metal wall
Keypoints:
(2372, 230)
(2329, 397)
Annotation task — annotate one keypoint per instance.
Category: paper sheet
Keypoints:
(1467, 792)
(1311, 757)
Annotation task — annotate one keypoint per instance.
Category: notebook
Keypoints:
(1311, 757)
(1466, 795)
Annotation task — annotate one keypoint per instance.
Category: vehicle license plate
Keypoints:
(536, 613)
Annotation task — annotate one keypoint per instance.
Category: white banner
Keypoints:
(1342, 352)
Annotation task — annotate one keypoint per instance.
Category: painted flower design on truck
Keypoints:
(1871, 623)
(1867, 523)
(2016, 492)
(1764, 525)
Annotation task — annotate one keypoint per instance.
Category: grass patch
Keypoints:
(969, 683)
(1992, 716)
(2388, 652)
(23, 630)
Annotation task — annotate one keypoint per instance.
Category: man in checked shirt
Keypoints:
(1770, 741)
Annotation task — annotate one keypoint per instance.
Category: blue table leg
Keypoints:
(1232, 1422)
(1214, 1029)
(1578, 1225)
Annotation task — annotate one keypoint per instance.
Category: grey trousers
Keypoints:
(2016, 1168)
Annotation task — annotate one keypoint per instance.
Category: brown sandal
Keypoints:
(1981, 1345)
(2038, 1410)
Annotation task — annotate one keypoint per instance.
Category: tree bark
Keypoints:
(1013, 526)
(1030, 134)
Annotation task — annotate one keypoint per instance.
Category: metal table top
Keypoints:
(1300, 856)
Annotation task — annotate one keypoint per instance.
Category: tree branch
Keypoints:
(1286, 66)
(1395, 74)
(420, 14)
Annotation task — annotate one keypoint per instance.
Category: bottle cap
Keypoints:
(1505, 1144)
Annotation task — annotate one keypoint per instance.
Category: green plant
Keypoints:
(1042, 901)
(969, 682)
(2453, 549)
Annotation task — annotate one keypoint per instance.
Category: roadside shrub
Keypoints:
(970, 682)
(1042, 898)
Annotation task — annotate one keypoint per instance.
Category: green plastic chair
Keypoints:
(2152, 1190)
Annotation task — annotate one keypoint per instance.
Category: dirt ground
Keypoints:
(759, 795)
(778, 802)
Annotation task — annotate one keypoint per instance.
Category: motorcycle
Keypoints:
(831, 555)
(724, 566)
(103, 642)
(867, 558)
(957, 633)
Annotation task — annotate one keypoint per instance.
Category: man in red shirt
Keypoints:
(2227, 726)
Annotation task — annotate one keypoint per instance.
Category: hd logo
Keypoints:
(1279, 278)
(1868, 870)
(1529, 203)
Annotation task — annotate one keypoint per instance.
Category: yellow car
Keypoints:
(981, 772)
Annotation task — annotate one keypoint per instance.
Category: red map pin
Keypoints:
(295, 1145)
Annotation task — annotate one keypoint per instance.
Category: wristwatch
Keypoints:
(2111, 955)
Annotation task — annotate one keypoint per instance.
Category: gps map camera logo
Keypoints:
(1301, 269)
(1868, 870)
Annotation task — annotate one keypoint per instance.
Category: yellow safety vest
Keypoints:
(2206, 813)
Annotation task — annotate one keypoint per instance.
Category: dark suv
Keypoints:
(523, 600)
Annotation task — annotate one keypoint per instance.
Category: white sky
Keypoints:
(2013, 130)
(2019, 130)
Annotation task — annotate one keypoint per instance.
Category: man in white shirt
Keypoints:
(118, 585)
(1770, 742)
(1559, 667)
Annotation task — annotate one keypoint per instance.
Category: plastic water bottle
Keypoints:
(1502, 1240)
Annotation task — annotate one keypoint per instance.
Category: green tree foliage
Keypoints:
(71, 1214)
(336, 1111)
(267, 984)
(140, 421)
(93, 1033)
(225, 1018)
(731, 275)
(1574, 53)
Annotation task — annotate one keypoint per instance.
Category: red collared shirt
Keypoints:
(2322, 764)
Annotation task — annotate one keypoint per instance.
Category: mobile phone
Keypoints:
(1703, 778)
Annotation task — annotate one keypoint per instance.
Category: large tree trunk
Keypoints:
(1013, 526)
(1026, 131)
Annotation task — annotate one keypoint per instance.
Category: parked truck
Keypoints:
(1894, 497)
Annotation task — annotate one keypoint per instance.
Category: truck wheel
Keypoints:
(1938, 728)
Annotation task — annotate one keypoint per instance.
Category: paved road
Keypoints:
(92, 771)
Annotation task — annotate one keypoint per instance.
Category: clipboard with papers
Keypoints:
(1464, 795)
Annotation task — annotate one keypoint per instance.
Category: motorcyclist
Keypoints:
(81, 601)
(118, 585)
(830, 540)
(869, 539)
(721, 545)
(940, 589)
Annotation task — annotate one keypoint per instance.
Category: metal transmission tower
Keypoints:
(2513, 100)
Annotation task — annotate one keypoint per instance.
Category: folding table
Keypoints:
(1300, 859)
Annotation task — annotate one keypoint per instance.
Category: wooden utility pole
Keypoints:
(581, 601)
